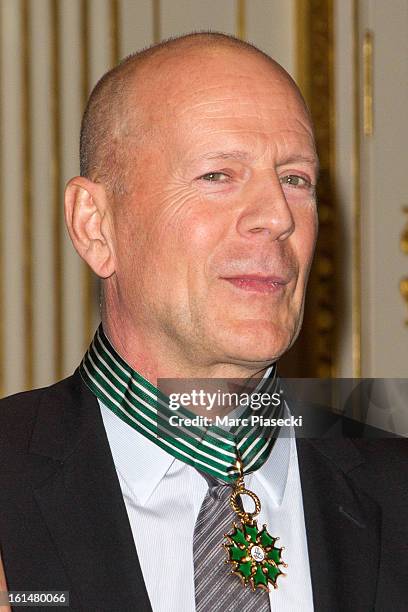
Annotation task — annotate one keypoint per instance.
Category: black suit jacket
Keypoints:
(64, 526)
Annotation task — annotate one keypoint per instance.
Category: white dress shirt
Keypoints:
(163, 497)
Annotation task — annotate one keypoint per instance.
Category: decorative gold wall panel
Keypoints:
(241, 19)
(356, 271)
(314, 353)
(27, 232)
(156, 21)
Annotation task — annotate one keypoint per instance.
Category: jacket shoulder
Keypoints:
(18, 412)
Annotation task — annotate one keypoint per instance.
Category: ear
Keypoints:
(88, 222)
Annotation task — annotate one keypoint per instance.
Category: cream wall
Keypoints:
(51, 54)
(384, 188)
(371, 168)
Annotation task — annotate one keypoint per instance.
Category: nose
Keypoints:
(266, 211)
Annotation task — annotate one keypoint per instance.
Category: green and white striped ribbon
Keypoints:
(145, 408)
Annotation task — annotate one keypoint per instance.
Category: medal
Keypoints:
(251, 551)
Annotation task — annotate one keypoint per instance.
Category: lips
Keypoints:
(257, 283)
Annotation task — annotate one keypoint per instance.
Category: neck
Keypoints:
(156, 356)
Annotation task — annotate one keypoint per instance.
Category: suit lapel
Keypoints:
(80, 499)
(342, 527)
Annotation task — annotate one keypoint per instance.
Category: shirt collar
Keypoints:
(274, 473)
(143, 465)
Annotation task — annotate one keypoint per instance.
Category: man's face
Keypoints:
(215, 241)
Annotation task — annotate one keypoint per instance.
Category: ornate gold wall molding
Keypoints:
(156, 21)
(356, 271)
(114, 32)
(315, 75)
(241, 19)
(27, 221)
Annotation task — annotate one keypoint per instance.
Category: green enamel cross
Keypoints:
(253, 555)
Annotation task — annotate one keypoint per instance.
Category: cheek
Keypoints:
(305, 237)
(168, 238)
(187, 223)
(150, 221)
(194, 247)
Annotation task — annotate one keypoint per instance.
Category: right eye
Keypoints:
(215, 177)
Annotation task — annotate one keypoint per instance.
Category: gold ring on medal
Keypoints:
(237, 507)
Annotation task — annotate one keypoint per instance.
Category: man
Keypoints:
(196, 206)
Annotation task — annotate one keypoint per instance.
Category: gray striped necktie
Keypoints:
(215, 588)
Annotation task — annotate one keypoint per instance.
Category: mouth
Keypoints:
(257, 283)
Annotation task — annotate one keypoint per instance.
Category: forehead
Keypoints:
(219, 93)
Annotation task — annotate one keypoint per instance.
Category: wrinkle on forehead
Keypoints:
(239, 112)
(232, 93)
(192, 77)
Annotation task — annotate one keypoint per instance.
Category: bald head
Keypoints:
(117, 118)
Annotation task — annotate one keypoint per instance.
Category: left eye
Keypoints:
(215, 177)
(295, 180)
